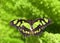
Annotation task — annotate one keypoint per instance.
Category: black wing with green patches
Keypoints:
(42, 23)
(24, 31)
(31, 27)
(21, 25)
(17, 22)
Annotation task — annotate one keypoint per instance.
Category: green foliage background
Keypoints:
(29, 9)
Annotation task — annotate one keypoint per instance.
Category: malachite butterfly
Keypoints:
(31, 27)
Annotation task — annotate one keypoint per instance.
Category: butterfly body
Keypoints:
(31, 27)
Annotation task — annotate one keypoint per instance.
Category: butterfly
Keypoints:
(31, 27)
